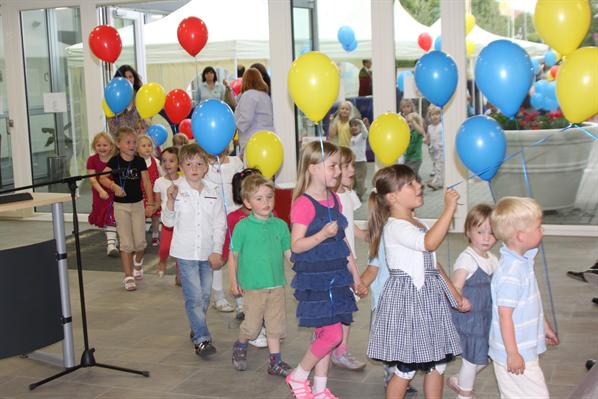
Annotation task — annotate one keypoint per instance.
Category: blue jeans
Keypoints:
(196, 279)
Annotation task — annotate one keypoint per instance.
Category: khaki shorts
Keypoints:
(267, 305)
(130, 226)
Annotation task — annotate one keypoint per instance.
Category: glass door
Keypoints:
(6, 176)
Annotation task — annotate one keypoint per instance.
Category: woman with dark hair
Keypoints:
(254, 109)
(129, 117)
(264, 73)
(210, 87)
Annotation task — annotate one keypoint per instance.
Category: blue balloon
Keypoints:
(345, 35)
(350, 47)
(504, 73)
(158, 134)
(213, 125)
(536, 65)
(438, 43)
(481, 145)
(401, 79)
(537, 100)
(118, 94)
(550, 58)
(550, 91)
(551, 104)
(436, 77)
(540, 86)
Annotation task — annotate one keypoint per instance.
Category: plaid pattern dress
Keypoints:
(414, 328)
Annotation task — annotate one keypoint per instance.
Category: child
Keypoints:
(170, 165)
(128, 204)
(102, 211)
(324, 267)
(433, 139)
(413, 154)
(413, 329)
(179, 140)
(518, 330)
(218, 176)
(471, 276)
(196, 212)
(338, 129)
(406, 107)
(359, 138)
(145, 149)
(259, 264)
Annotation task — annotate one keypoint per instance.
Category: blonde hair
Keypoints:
(432, 109)
(108, 138)
(353, 112)
(143, 137)
(385, 181)
(513, 214)
(252, 183)
(124, 131)
(406, 101)
(180, 139)
(476, 217)
(347, 158)
(416, 116)
(311, 154)
(189, 151)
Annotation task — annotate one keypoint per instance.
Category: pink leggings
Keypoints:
(327, 338)
(165, 240)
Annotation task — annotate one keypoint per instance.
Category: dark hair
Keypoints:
(240, 70)
(120, 72)
(170, 150)
(205, 72)
(264, 73)
(237, 183)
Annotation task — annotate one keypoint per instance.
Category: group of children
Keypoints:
(496, 307)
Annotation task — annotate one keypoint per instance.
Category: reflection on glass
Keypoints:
(6, 176)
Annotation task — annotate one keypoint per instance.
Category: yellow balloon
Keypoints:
(389, 137)
(150, 100)
(469, 23)
(264, 152)
(469, 47)
(313, 82)
(563, 24)
(107, 111)
(577, 85)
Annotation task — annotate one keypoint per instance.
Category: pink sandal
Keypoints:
(325, 394)
(453, 383)
(301, 392)
(129, 283)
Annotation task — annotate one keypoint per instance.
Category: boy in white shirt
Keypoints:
(359, 138)
(195, 209)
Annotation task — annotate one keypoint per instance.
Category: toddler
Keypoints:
(413, 154)
(145, 149)
(359, 138)
(338, 129)
(433, 139)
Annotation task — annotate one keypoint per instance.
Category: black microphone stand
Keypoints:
(87, 358)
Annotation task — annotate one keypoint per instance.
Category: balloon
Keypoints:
(193, 35)
(550, 90)
(436, 77)
(118, 94)
(264, 152)
(401, 79)
(481, 145)
(107, 111)
(236, 85)
(469, 23)
(104, 42)
(549, 77)
(345, 35)
(469, 47)
(158, 134)
(554, 71)
(185, 128)
(389, 137)
(550, 104)
(150, 100)
(313, 82)
(577, 85)
(504, 73)
(540, 86)
(177, 105)
(537, 100)
(424, 41)
(213, 125)
(563, 24)
(438, 43)
(536, 65)
(350, 47)
(550, 58)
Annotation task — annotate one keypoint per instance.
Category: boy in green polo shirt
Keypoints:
(413, 153)
(260, 243)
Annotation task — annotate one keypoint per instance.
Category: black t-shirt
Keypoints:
(129, 178)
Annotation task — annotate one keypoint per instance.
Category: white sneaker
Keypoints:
(111, 250)
(261, 341)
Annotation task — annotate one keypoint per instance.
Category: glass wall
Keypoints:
(6, 176)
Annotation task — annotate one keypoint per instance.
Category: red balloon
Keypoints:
(177, 105)
(185, 128)
(554, 71)
(236, 85)
(104, 42)
(424, 41)
(193, 35)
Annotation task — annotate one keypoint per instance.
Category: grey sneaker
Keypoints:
(347, 361)
(239, 357)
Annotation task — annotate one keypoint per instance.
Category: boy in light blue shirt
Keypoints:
(519, 332)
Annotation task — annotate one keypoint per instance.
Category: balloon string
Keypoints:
(321, 134)
(197, 81)
(584, 130)
(492, 193)
(448, 241)
(230, 237)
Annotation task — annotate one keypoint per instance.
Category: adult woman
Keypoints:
(129, 117)
(264, 73)
(210, 87)
(254, 109)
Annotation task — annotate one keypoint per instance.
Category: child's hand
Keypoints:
(366, 122)
(426, 139)
(551, 337)
(330, 229)
(149, 210)
(515, 363)
(361, 290)
(119, 192)
(103, 194)
(215, 261)
(172, 192)
(450, 199)
(465, 306)
(235, 289)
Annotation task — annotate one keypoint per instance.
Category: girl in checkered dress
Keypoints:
(413, 329)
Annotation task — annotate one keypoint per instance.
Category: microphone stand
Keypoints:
(87, 358)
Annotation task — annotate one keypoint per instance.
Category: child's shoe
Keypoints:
(281, 369)
(205, 349)
(325, 394)
(300, 389)
(453, 383)
(261, 341)
(347, 361)
(137, 269)
(240, 357)
(111, 249)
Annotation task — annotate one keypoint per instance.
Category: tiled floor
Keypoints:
(148, 330)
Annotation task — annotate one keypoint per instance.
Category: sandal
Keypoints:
(301, 392)
(129, 283)
(453, 383)
(137, 269)
(325, 394)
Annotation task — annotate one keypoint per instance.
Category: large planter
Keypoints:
(555, 167)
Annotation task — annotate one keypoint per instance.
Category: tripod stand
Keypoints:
(87, 358)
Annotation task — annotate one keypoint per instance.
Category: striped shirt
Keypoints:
(514, 285)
